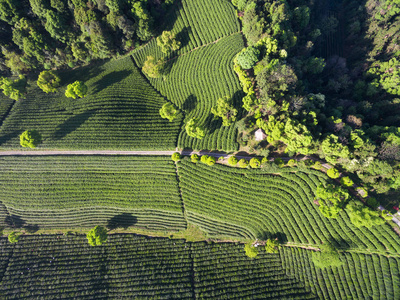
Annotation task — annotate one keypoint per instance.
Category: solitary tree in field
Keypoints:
(15, 89)
(169, 111)
(48, 81)
(153, 68)
(250, 250)
(76, 89)
(13, 237)
(168, 43)
(193, 129)
(225, 110)
(327, 257)
(97, 236)
(176, 156)
(272, 246)
(30, 138)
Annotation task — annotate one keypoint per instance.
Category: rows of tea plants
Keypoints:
(195, 23)
(76, 191)
(5, 105)
(264, 204)
(121, 111)
(361, 276)
(135, 267)
(194, 84)
(126, 266)
(222, 271)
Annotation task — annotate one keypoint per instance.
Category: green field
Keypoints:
(195, 80)
(243, 203)
(80, 191)
(120, 112)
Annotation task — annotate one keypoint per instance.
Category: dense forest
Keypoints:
(322, 78)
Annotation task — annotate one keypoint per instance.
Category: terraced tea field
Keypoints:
(231, 202)
(195, 80)
(121, 112)
(80, 191)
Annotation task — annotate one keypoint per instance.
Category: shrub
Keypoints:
(317, 165)
(333, 173)
(176, 156)
(243, 163)
(97, 236)
(255, 163)
(346, 181)
(13, 237)
(76, 89)
(250, 250)
(153, 68)
(371, 201)
(272, 246)
(193, 129)
(327, 257)
(292, 162)
(30, 138)
(48, 82)
(232, 161)
(208, 160)
(195, 158)
(169, 111)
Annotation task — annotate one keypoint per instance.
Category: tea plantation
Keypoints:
(121, 111)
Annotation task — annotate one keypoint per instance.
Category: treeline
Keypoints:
(319, 105)
(48, 34)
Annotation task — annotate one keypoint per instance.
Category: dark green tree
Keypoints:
(248, 57)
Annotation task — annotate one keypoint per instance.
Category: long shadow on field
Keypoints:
(14, 221)
(72, 124)
(9, 136)
(189, 104)
(109, 80)
(83, 73)
(276, 235)
(211, 124)
(124, 220)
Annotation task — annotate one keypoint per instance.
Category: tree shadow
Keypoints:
(124, 220)
(9, 136)
(109, 79)
(189, 104)
(31, 228)
(84, 73)
(211, 123)
(282, 238)
(183, 36)
(14, 221)
(72, 124)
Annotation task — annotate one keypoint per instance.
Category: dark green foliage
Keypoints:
(30, 138)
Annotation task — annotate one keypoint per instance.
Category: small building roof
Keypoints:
(260, 135)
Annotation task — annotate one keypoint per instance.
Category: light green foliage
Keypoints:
(269, 45)
(14, 62)
(208, 160)
(317, 165)
(97, 236)
(30, 138)
(272, 246)
(48, 81)
(362, 192)
(153, 68)
(169, 111)
(195, 158)
(249, 101)
(331, 199)
(291, 162)
(255, 163)
(243, 163)
(176, 156)
(248, 57)
(193, 129)
(13, 237)
(168, 43)
(346, 181)
(76, 89)
(15, 89)
(388, 74)
(361, 215)
(232, 160)
(245, 81)
(327, 257)
(250, 250)
(9, 11)
(113, 5)
(225, 110)
(333, 173)
(273, 128)
(333, 149)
